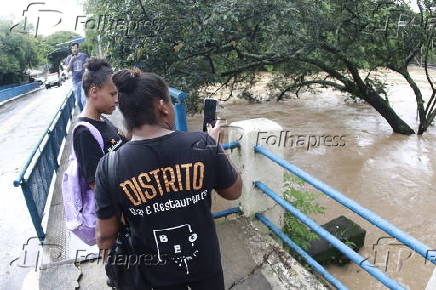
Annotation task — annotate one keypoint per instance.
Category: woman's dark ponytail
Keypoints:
(137, 92)
(97, 71)
(126, 80)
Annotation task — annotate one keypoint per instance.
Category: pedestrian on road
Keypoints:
(75, 63)
(165, 180)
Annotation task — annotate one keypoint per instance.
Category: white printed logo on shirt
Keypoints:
(179, 250)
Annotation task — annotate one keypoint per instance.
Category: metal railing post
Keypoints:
(180, 109)
(33, 210)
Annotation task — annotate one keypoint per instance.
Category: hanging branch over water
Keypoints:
(303, 43)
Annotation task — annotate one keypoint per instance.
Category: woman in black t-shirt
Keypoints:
(165, 180)
(102, 98)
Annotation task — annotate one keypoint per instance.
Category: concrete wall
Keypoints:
(256, 167)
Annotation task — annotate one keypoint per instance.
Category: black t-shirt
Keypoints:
(164, 193)
(87, 149)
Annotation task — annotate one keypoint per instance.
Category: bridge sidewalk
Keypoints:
(250, 258)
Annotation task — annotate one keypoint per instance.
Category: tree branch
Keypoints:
(241, 69)
(332, 72)
(212, 65)
(308, 83)
(432, 100)
(143, 9)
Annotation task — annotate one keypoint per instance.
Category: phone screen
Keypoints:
(209, 113)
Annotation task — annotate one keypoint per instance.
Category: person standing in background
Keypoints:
(75, 63)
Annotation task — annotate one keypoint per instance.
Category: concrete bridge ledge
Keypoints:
(252, 259)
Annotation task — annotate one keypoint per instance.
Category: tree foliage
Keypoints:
(20, 51)
(17, 53)
(306, 43)
(306, 203)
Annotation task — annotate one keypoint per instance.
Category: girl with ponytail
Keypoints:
(165, 180)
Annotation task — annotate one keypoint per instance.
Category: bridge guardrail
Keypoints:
(376, 220)
(9, 93)
(37, 172)
(342, 247)
(311, 261)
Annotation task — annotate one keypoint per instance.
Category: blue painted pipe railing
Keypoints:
(180, 109)
(323, 233)
(226, 212)
(231, 145)
(309, 260)
(373, 218)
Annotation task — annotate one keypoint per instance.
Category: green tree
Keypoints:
(17, 54)
(307, 43)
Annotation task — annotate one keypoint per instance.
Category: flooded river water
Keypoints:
(392, 175)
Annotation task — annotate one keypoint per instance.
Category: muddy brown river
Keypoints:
(392, 175)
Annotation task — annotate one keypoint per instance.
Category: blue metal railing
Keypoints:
(373, 218)
(231, 145)
(10, 93)
(312, 262)
(355, 257)
(37, 172)
(226, 212)
(180, 109)
(376, 220)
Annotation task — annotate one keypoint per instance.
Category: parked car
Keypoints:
(40, 80)
(36, 76)
(52, 80)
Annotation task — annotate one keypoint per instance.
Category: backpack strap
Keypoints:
(112, 169)
(94, 132)
(112, 172)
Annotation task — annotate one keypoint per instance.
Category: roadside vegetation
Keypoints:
(21, 51)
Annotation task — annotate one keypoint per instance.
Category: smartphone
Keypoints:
(209, 113)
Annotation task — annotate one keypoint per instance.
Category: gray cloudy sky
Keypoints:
(65, 11)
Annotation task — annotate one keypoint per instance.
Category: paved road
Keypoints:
(22, 123)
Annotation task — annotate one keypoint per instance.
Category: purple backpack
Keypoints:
(79, 199)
